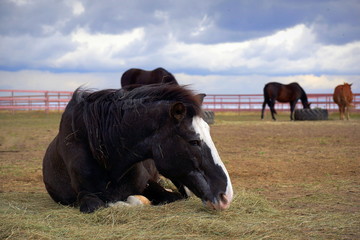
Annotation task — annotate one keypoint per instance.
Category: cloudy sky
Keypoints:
(217, 46)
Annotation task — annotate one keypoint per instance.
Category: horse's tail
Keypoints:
(266, 93)
(267, 98)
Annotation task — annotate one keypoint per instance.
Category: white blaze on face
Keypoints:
(203, 129)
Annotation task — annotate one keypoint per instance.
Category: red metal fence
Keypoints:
(253, 102)
(34, 100)
(13, 100)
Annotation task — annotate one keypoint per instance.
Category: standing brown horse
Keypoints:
(143, 77)
(343, 97)
(283, 93)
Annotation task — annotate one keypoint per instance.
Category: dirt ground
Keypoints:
(270, 157)
(289, 161)
(302, 167)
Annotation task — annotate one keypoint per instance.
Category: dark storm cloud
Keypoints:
(31, 18)
(229, 21)
(335, 22)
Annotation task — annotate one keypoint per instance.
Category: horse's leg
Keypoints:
(55, 176)
(292, 108)
(271, 104)
(263, 109)
(181, 189)
(346, 110)
(341, 109)
(87, 179)
(159, 195)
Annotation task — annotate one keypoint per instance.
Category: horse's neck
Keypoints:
(304, 99)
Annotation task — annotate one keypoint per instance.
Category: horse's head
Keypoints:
(347, 85)
(306, 105)
(185, 153)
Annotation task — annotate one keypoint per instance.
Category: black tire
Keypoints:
(311, 114)
(209, 117)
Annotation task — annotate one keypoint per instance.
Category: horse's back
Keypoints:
(130, 76)
(283, 92)
(143, 77)
(271, 89)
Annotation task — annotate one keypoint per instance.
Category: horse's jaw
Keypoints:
(222, 200)
(202, 189)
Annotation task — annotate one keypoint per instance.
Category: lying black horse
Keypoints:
(143, 77)
(103, 134)
(283, 93)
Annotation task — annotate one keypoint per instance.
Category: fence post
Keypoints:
(59, 102)
(46, 102)
(214, 106)
(30, 104)
(12, 102)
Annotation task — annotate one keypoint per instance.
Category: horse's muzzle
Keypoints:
(219, 204)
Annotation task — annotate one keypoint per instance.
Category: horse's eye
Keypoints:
(194, 142)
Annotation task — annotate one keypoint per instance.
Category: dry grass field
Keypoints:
(292, 180)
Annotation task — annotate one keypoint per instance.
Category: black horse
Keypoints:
(106, 138)
(143, 77)
(135, 77)
(283, 93)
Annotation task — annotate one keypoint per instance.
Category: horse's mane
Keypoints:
(102, 111)
(303, 96)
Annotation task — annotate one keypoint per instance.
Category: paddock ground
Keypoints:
(292, 180)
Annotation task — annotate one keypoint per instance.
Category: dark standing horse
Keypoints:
(135, 77)
(283, 93)
(143, 77)
(103, 134)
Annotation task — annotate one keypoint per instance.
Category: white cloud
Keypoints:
(76, 6)
(288, 51)
(204, 24)
(20, 2)
(43, 80)
(99, 50)
(161, 15)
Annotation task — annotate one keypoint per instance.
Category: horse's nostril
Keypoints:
(223, 198)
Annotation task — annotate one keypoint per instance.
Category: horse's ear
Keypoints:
(178, 111)
(200, 97)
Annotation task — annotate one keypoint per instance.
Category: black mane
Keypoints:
(102, 112)
(128, 98)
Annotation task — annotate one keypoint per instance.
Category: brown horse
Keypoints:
(283, 93)
(143, 77)
(343, 97)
